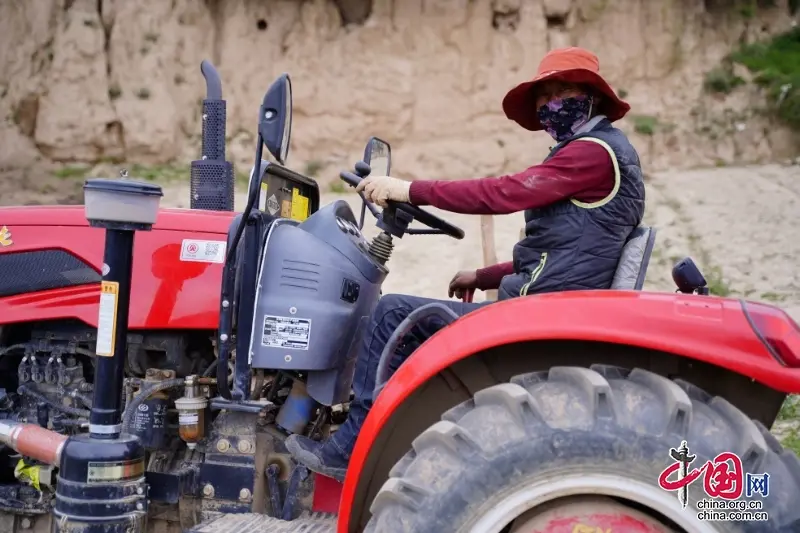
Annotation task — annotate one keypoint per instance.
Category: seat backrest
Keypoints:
(632, 268)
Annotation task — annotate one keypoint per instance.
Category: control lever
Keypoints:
(468, 295)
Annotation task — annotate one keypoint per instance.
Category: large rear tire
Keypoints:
(570, 432)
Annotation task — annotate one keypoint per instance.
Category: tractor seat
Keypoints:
(632, 267)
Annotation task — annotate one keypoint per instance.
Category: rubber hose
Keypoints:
(143, 395)
(210, 370)
(30, 391)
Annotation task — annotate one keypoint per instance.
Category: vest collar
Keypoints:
(588, 126)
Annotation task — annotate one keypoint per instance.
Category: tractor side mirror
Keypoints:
(378, 155)
(688, 278)
(275, 120)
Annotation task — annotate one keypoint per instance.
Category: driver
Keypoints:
(580, 205)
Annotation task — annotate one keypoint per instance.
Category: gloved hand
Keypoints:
(379, 189)
(462, 282)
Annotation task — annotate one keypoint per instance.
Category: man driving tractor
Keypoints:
(580, 206)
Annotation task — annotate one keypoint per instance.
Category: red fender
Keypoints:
(705, 328)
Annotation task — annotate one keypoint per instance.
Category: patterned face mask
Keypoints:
(561, 117)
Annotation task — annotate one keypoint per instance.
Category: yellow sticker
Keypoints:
(28, 474)
(262, 197)
(5, 237)
(107, 320)
(286, 209)
(299, 206)
(582, 528)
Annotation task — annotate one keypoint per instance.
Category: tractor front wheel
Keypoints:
(581, 450)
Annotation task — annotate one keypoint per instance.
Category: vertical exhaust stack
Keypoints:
(212, 183)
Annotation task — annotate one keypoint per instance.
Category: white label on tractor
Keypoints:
(272, 205)
(187, 419)
(286, 332)
(107, 319)
(262, 197)
(203, 251)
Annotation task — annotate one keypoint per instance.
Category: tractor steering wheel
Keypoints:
(429, 219)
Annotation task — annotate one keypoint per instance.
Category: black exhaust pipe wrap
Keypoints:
(212, 182)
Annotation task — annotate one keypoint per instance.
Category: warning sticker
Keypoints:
(272, 205)
(203, 251)
(103, 472)
(262, 197)
(107, 319)
(286, 332)
(187, 419)
(299, 206)
(286, 209)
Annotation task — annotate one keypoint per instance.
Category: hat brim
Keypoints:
(520, 107)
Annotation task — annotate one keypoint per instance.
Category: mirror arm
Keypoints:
(251, 199)
(364, 206)
(363, 214)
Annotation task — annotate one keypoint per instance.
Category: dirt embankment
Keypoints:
(89, 80)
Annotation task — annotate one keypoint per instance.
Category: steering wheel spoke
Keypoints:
(438, 225)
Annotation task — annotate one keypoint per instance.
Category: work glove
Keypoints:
(379, 189)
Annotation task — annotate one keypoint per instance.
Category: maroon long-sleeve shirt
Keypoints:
(580, 170)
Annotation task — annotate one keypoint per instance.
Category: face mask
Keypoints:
(561, 117)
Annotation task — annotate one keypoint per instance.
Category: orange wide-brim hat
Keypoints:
(573, 65)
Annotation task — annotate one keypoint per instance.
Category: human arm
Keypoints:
(580, 170)
(489, 278)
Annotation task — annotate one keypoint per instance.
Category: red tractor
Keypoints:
(153, 361)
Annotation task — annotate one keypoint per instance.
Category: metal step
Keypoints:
(259, 523)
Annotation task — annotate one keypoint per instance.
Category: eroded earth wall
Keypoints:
(94, 80)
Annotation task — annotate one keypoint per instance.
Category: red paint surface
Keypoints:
(709, 329)
(597, 523)
(166, 293)
(327, 494)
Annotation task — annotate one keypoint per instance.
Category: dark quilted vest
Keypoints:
(574, 246)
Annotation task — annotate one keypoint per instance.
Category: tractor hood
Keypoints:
(51, 260)
(73, 215)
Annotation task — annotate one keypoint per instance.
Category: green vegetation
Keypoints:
(159, 173)
(155, 173)
(775, 65)
(337, 187)
(716, 282)
(69, 172)
(790, 414)
(114, 91)
(645, 124)
(722, 80)
(313, 167)
(773, 296)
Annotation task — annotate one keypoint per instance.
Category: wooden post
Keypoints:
(488, 247)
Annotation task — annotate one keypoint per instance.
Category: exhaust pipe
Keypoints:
(212, 181)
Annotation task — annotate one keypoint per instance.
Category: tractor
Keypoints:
(153, 361)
